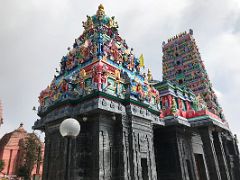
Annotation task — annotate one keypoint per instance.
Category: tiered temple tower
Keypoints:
(182, 64)
(132, 127)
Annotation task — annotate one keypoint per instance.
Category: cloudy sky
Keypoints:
(34, 35)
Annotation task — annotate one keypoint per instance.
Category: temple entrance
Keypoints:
(201, 170)
(144, 168)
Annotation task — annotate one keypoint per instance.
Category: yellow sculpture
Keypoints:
(83, 73)
(149, 75)
(100, 11)
(117, 81)
(117, 75)
(88, 24)
(113, 23)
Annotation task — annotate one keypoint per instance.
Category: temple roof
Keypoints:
(100, 60)
(9, 138)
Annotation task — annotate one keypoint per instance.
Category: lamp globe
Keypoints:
(69, 127)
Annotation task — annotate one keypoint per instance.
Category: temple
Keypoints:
(12, 153)
(132, 126)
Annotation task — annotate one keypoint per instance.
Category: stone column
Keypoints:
(125, 145)
(221, 156)
(210, 153)
(46, 159)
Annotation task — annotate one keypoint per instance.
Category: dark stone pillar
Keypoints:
(166, 153)
(200, 164)
(125, 151)
(210, 153)
(54, 157)
(46, 158)
(174, 153)
(185, 152)
(85, 151)
(232, 155)
(221, 156)
(142, 159)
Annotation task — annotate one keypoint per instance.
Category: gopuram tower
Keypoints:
(182, 64)
(132, 126)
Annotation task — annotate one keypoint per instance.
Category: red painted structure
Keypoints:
(182, 102)
(11, 152)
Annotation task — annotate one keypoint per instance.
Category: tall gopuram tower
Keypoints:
(132, 127)
(182, 64)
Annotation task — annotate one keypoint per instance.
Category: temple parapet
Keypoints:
(180, 102)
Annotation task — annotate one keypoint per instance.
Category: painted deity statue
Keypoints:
(81, 83)
(117, 81)
(88, 24)
(113, 23)
(97, 75)
(149, 75)
(100, 12)
(139, 89)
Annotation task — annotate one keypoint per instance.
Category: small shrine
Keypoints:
(12, 153)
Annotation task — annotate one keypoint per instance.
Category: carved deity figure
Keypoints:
(97, 73)
(140, 91)
(145, 78)
(113, 23)
(149, 75)
(157, 100)
(100, 12)
(64, 87)
(88, 24)
(174, 107)
(117, 81)
(201, 103)
(104, 80)
(82, 74)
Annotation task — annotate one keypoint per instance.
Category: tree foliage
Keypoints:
(2, 164)
(32, 153)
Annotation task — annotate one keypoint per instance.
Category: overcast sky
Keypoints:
(35, 34)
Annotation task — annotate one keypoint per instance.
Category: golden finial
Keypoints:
(100, 7)
(100, 11)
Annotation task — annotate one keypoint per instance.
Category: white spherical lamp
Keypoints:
(70, 127)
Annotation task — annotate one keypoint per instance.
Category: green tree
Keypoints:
(22, 172)
(32, 152)
(2, 164)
